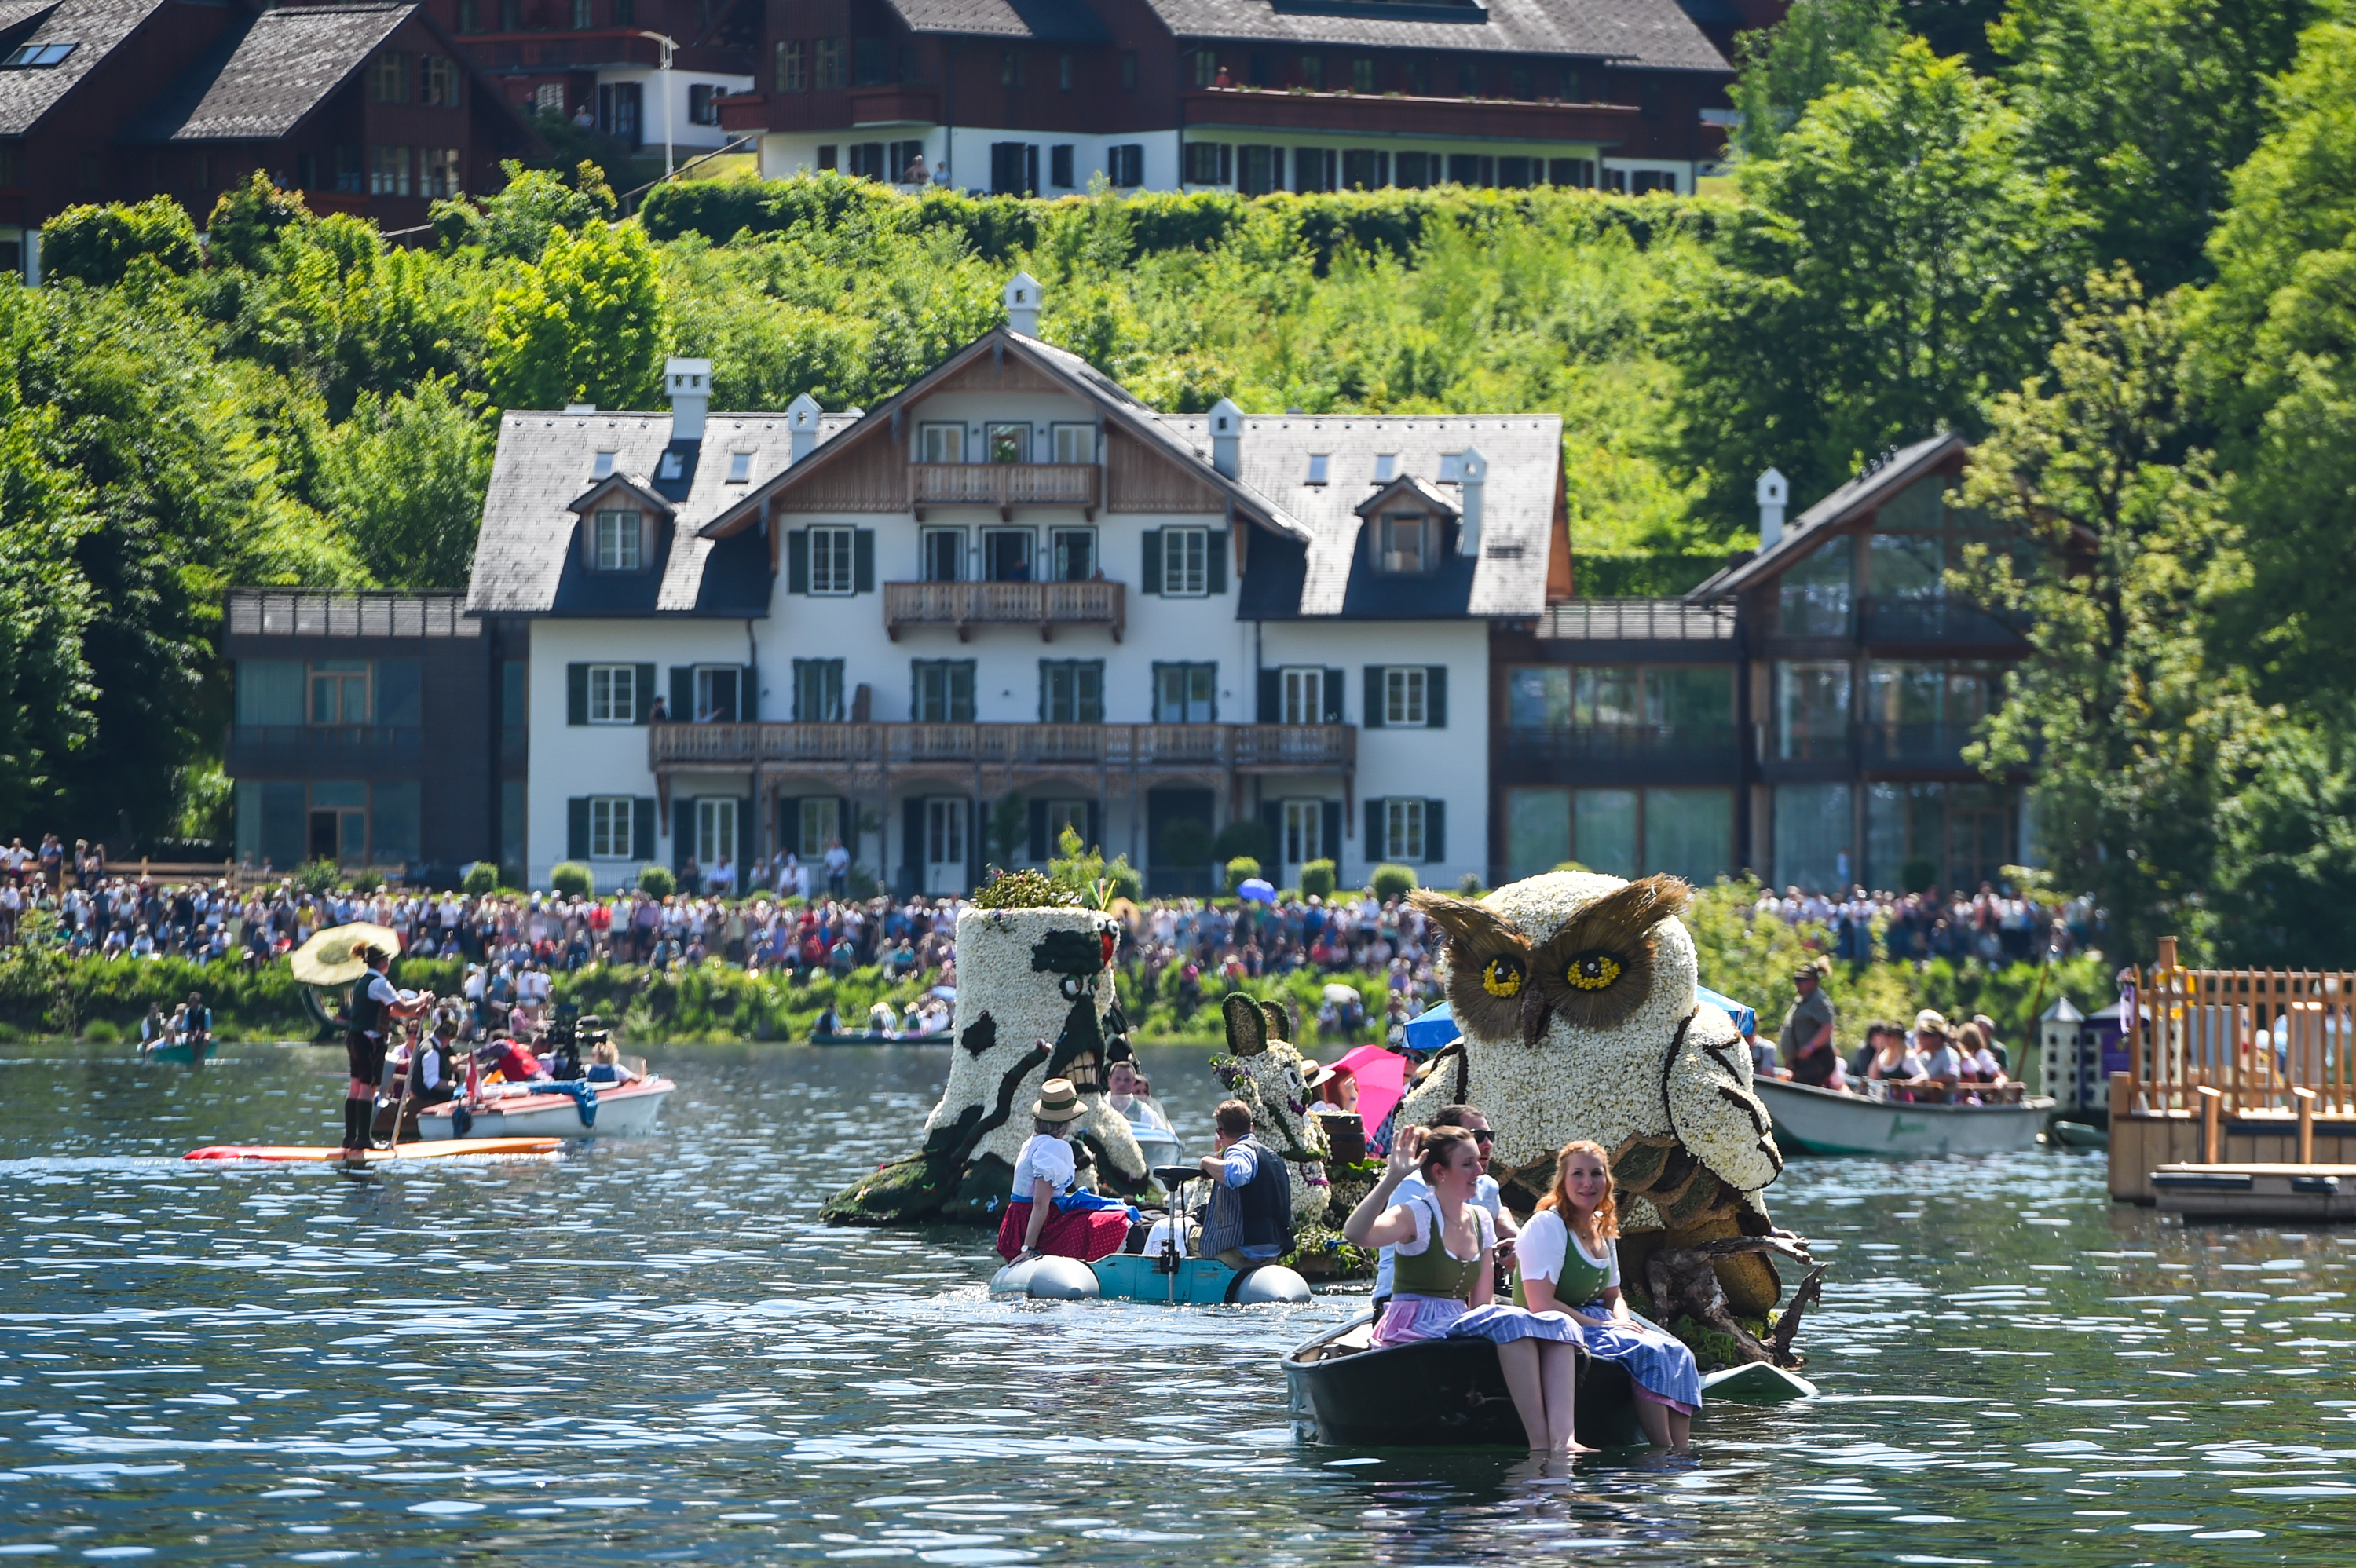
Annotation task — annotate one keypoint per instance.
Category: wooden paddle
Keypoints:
(408, 1087)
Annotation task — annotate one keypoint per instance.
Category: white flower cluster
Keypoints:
(1609, 1085)
(1024, 1006)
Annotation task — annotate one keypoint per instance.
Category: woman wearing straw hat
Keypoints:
(1035, 1223)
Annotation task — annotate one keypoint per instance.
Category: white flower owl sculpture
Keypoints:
(1575, 994)
(1264, 1069)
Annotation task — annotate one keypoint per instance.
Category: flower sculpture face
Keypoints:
(1265, 1071)
(1575, 995)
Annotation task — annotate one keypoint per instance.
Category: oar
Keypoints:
(408, 1087)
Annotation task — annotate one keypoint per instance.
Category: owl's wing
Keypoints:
(1706, 1086)
(1488, 967)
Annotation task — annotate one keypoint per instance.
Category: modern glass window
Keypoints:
(437, 80)
(1812, 709)
(1074, 442)
(609, 826)
(1813, 835)
(439, 172)
(1007, 441)
(1538, 830)
(1816, 597)
(602, 465)
(389, 171)
(1304, 832)
(1537, 697)
(1402, 829)
(1304, 686)
(1403, 695)
(943, 691)
(614, 694)
(619, 543)
(715, 831)
(740, 468)
(1603, 830)
(270, 691)
(1006, 555)
(339, 691)
(1186, 562)
(1402, 546)
(791, 66)
(1319, 464)
(940, 443)
(1186, 693)
(819, 822)
(833, 67)
(389, 77)
(1386, 467)
(942, 555)
(1689, 833)
(1076, 554)
(1071, 691)
(818, 691)
(832, 569)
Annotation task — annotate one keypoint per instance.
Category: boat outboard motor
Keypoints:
(565, 1034)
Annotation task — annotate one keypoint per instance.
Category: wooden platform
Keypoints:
(2256, 1190)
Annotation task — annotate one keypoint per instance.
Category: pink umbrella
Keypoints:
(1382, 1082)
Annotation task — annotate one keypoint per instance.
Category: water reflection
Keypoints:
(651, 1348)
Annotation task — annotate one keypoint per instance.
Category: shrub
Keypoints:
(1469, 885)
(366, 882)
(1186, 843)
(572, 878)
(1317, 880)
(247, 219)
(102, 1030)
(320, 877)
(1244, 839)
(481, 877)
(1393, 880)
(1241, 870)
(1024, 889)
(98, 244)
(656, 882)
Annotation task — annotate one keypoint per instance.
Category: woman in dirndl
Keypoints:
(1443, 1252)
(1033, 1226)
(1567, 1265)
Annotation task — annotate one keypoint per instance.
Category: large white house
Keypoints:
(1011, 598)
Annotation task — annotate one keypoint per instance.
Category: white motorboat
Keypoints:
(1827, 1121)
(532, 1110)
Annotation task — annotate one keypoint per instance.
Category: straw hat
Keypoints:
(1930, 1022)
(1059, 1102)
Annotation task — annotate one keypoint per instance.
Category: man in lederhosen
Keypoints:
(373, 1009)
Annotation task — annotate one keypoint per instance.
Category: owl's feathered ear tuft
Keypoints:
(1246, 1025)
(1488, 966)
(1465, 921)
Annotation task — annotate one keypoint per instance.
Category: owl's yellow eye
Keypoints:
(1502, 977)
(1592, 971)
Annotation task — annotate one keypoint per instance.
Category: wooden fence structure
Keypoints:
(2232, 1066)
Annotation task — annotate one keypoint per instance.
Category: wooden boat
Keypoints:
(623, 1109)
(1434, 1394)
(451, 1148)
(2078, 1134)
(1826, 1121)
(870, 1037)
(181, 1052)
(2256, 1192)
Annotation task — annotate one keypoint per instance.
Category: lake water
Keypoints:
(649, 1350)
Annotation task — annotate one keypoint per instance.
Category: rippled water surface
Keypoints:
(649, 1350)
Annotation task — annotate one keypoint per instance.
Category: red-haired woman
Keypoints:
(1569, 1263)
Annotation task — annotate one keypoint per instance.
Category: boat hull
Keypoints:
(621, 1113)
(1438, 1394)
(2308, 1192)
(308, 1153)
(940, 1039)
(1825, 1121)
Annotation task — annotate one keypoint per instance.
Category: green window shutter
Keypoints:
(1149, 580)
(748, 694)
(646, 684)
(576, 826)
(1372, 716)
(1046, 683)
(1040, 849)
(1271, 816)
(576, 694)
(683, 693)
(1215, 567)
(1333, 679)
(642, 827)
(798, 560)
(961, 691)
(1435, 831)
(683, 833)
(1271, 697)
(1334, 831)
(1091, 675)
(912, 844)
(846, 817)
(1376, 849)
(789, 826)
(862, 560)
(1435, 697)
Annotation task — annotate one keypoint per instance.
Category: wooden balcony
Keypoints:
(965, 605)
(1004, 486)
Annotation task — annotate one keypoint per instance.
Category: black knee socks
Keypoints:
(356, 1128)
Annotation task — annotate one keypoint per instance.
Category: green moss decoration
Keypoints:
(1024, 890)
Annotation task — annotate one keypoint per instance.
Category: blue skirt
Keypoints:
(1659, 1364)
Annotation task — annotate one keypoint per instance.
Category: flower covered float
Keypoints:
(1264, 1069)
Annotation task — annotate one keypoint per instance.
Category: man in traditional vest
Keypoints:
(1251, 1219)
(373, 1009)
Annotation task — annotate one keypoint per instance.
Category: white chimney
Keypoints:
(801, 419)
(1471, 469)
(689, 384)
(1228, 438)
(1023, 303)
(1773, 491)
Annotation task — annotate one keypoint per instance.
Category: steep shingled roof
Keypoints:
(96, 27)
(1862, 494)
(1654, 33)
(262, 80)
(1051, 20)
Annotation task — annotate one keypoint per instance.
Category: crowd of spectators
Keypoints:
(1993, 925)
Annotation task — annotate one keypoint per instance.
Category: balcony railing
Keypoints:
(261, 751)
(1004, 486)
(1256, 748)
(964, 605)
(1916, 745)
(1916, 621)
(1665, 745)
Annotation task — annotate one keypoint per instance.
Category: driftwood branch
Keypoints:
(1811, 1291)
(1684, 1280)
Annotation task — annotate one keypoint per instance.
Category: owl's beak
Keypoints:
(1535, 1010)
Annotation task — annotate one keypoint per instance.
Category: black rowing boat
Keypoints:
(1435, 1394)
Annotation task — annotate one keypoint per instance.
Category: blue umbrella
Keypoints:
(1745, 1020)
(1432, 1029)
(1256, 888)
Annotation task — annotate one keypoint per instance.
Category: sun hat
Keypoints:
(1929, 1022)
(1058, 1102)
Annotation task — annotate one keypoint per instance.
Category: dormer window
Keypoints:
(1386, 467)
(1401, 542)
(603, 466)
(740, 468)
(671, 466)
(32, 55)
(618, 544)
(1318, 464)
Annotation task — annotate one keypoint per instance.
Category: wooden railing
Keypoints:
(1004, 486)
(964, 605)
(2256, 1037)
(1266, 748)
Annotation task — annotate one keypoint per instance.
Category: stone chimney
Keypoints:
(801, 419)
(689, 384)
(1773, 491)
(1472, 470)
(1228, 438)
(1021, 298)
